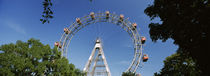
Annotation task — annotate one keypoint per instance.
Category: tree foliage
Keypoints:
(187, 23)
(128, 74)
(34, 58)
(47, 13)
(179, 64)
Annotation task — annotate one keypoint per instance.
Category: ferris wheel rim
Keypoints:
(115, 20)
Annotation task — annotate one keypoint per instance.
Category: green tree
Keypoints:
(179, 64)
(187, 23)
(128, 74)
(34, 58)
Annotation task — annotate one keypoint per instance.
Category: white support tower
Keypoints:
(100, 66)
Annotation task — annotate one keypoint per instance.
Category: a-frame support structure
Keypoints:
(104, 69)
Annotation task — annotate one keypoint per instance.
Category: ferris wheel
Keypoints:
(120, 20)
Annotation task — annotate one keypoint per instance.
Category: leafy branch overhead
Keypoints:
(187, 23)
(47, 13)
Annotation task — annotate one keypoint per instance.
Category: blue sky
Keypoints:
(19, 20)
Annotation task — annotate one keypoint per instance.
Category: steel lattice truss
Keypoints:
(104, 17)
(93, 60)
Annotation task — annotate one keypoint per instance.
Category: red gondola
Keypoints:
(57, 44)
(145, 58)
(143, 39)
(134, 26)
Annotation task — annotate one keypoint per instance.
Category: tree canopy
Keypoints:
(34, 58)
(128, 74)
(179, 64)
(187, 23)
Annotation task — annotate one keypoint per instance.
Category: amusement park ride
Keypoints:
(103, 69)
(120, 20)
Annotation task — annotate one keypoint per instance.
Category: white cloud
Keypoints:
(16, 27)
